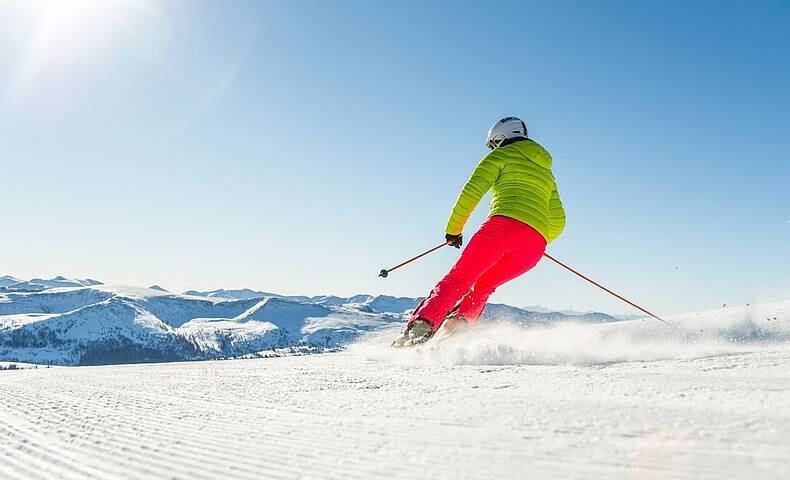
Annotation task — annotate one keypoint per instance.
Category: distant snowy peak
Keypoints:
(398, 305)
(382, 303)
(61, 281)
(500, 312)
(276, 310)
(537, 309)
(368, 303)
(7, 280)
(577, 313)
(335, 301)
(239, 294)
(158, 288)
(41, 284)
(569, 312)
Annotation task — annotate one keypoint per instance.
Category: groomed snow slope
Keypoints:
(627, 400)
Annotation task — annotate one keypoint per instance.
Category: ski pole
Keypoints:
(384, 272)
(609, 291)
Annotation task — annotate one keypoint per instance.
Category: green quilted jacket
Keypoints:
(522, 186)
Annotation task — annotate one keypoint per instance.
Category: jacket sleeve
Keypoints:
(479, 183)
(556, 215)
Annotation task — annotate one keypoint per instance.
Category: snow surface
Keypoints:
(631, 399)
(19, 366)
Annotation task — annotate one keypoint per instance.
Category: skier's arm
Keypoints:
(479, 183)
(556, 215)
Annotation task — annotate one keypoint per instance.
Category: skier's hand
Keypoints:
(454, 240)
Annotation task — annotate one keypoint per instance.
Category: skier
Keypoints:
(525, 215)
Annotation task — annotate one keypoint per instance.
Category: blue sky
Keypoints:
(299, 147)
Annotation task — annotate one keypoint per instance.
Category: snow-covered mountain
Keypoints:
(377, 304)
(577, 313)
(7, 280)
(506, 313)
(72, 322)
(11, 284)
(389, 304)
(239, 294)
(101, 324)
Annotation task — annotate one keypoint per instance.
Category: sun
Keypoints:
(65, 24)
(69, 36)
(73, 10)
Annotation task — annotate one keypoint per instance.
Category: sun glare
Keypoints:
(68, 37)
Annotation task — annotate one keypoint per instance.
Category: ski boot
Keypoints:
(454, 323)
(419, 332)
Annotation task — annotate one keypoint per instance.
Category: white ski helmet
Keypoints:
(508, 127)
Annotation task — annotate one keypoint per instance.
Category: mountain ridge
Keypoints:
(95, 323)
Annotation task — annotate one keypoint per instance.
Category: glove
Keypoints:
(454, 240)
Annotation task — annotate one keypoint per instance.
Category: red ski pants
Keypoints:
(500, 251)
